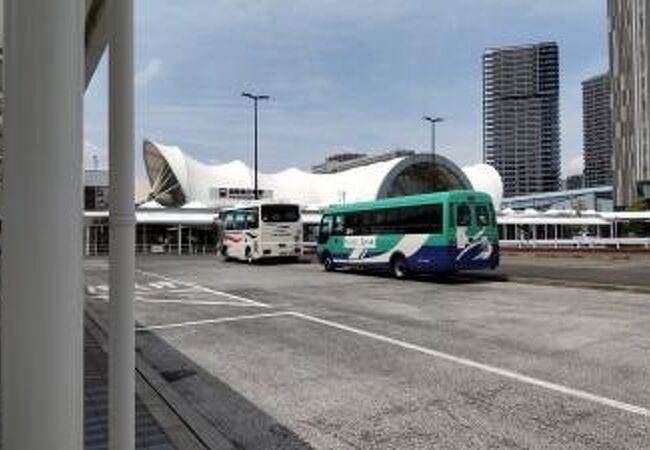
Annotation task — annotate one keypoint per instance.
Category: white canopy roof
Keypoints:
(176, 178)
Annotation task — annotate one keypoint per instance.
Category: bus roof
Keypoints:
(412, 200)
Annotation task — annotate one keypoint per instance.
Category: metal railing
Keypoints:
(577, 243)
(149, 249)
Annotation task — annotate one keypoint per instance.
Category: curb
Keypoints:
(184, 426)
(578, 284)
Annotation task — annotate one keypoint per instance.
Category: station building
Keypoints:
(186, 194)
(177, 179)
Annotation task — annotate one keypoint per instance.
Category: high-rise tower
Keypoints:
(629, 56)
(521, 126)
(597, 130)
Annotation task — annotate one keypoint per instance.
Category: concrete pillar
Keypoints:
(87, 238)
(42, 233)
(122, 228)
(180, 240)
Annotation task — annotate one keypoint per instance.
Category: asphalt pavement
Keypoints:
(288, 356)
(607, 270)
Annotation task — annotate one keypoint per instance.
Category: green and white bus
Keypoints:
(438, 232)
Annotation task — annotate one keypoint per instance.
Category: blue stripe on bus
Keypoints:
(433, 259)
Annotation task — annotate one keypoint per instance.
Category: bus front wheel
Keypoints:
(398, 266)
(328, 263)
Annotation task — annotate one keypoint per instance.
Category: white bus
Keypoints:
(266, 230)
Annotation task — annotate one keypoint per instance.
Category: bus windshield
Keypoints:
(280, 213)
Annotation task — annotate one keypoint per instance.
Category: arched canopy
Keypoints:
(166, 188)
(423, 173)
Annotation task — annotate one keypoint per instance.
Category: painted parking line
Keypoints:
(179, 301)
(629, 408)
(206, 289)
(167, 326)
(505, 373)
(193, 302)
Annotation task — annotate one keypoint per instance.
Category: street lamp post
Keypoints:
(255, 99)
(434, 121)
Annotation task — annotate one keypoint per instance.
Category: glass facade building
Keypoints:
(597, 131)
(521, 126)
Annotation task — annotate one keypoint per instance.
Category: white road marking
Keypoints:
(484, 367)
(163, 284)
(516, 376)
(192, 302)
(191, 290)
(206, 289)
(140, 299)
(210, 321)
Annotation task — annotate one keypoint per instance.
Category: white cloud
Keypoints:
(343, 74)
(574, 166)
(149, 72)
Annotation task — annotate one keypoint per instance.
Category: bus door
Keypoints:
(325, 230)
(482, 217)
(465, 226)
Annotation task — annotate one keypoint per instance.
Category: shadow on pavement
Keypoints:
(458, 278)
(236, 418)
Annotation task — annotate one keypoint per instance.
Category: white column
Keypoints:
(180, 240)
(42, 232)
(122, 228)
(87, 226)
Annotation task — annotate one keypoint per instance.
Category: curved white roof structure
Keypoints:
(176, 179)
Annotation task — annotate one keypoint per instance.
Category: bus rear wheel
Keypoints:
(398, 266)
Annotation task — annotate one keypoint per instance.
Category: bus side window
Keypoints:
(379, 224)
(392, 224)
(338, 227)
(434, 213)
(350, 224)
(366, 222)
(463, 215)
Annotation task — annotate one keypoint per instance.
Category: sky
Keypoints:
(352, 75)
